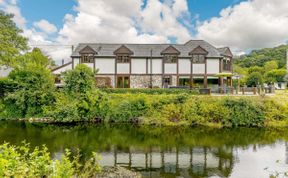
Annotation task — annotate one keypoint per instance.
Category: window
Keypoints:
(184, 81)
(123, 59)
(87, 58)
(170, 58)
(198, 58)
(167, 81)
(226, 64)
(57, 79)
(198, 82)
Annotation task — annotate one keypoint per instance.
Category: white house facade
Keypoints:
(193, 64)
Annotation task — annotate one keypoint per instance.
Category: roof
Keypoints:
(170, 50)
(225, 51)
(59, 67)
(199, 50)
(144, 50)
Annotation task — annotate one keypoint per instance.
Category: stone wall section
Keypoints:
(143, 81)
(105, 81)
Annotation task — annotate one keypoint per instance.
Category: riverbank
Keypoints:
(170, 110)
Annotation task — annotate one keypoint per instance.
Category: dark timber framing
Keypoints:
(157, 51)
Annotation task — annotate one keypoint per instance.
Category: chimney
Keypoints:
(62, 61)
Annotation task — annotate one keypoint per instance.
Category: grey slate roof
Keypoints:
(224, 51)
(144, 50)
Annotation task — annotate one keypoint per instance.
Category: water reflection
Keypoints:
(186, 162)
(158, 152)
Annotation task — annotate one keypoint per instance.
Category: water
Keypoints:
(164, 152)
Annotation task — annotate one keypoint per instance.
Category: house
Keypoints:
(193, 64)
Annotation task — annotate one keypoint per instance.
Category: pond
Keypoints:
(164, 152)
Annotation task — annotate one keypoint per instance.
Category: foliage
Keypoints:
(275, 75)
(22, 161)
(34, 90)
(6, 86)
(12, 42)
(254, 79)
(243, 112)
(36, 58)
(260, 57)
(80, 80)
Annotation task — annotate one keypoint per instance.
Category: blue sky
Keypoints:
(242, 25)
(35, 10)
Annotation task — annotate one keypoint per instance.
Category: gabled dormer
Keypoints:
(87, 54)
(198, 54)
(226, 52)
(170, 54)
(123, 54)
(227, 58)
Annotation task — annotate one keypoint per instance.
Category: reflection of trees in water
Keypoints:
(177, 151)
(187, 162)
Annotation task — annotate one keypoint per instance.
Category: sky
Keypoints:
(243, 25)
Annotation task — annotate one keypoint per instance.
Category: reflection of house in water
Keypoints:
(156, 162)
(286, 146)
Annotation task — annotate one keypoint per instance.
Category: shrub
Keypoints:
(80, 80)
(86, 107)
(22, 161)
(244, 112)
(129, 109)
(34, 90)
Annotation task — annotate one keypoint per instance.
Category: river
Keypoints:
(163, 152)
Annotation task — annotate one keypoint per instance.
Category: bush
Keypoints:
(22, 161)
(86, 107)
(34, 89)
(129, 109)
(244, 112)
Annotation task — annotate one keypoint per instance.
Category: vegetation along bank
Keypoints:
(29, 92)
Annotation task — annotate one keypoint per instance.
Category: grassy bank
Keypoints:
(167, 109)
(31, 93)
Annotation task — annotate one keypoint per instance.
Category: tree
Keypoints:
(271, 65)
(276, 75)
(11, 40)
(254, 79)
(35, 57)
(255, 69)
(34, 90)
(80, 80)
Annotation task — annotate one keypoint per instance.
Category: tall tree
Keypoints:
(11, 40)
(35, 57)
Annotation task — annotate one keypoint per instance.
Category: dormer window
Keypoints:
(87, 58)
(87, 55)
(123, 54)
(198, 55)
(123, 58)
(170, 54)
(198, 58)
(170, 58)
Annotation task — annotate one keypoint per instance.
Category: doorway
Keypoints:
(123, 82)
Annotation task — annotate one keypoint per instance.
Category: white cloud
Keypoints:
(249, 25)
(10, 7)
(125, 21)
(35, 38)
(45, 26)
